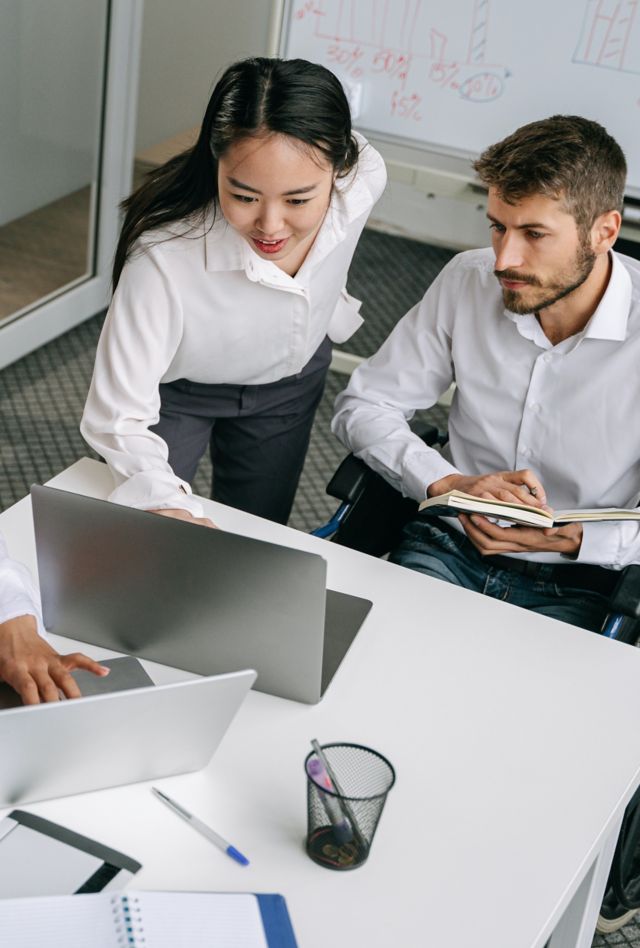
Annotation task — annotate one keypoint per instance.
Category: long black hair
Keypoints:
(286, 96)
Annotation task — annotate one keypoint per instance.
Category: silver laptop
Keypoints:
(207, 601)
(65, 747)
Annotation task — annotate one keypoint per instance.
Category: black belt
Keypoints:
(581, 576)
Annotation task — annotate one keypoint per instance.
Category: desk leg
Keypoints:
(576, 928)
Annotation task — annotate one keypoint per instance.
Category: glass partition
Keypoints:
(52, 76)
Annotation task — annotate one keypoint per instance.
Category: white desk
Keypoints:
(516, 744)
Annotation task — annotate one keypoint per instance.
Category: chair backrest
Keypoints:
(378, 513)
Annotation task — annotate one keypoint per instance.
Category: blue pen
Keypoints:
(202, 828)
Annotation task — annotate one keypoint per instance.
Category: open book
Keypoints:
(148, 920)
(456, 501)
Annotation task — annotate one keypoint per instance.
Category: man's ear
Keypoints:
(605, 231)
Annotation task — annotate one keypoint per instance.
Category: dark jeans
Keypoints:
(434, 547)
(258, 435)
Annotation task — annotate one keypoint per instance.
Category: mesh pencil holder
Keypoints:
(344, 802)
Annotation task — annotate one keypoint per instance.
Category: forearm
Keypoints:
(141, 336)
(138, 461)
(409, 373)
(384, 441)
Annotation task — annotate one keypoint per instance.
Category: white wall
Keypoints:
(185, 47)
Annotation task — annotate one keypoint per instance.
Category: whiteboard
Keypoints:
(454, 76)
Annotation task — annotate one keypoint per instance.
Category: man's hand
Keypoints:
(179, 514)
(489, 539)
(33, 668)
(512, 487)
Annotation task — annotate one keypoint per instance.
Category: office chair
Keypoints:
(372, 514)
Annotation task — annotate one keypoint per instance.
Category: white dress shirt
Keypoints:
(18, 595)
(205, 306)
(568, 412)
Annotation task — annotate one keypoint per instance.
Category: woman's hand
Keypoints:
(33, 668)
(179, 514)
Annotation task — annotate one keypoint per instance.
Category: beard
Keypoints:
(559, 286)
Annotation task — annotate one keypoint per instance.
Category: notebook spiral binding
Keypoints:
(127, 919)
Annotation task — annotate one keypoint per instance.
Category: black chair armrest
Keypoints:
(625, 598)
(376, 512)
(349, 480)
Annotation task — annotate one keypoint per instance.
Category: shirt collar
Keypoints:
(350, 199)
(223, 246)
(612, 315)
(226, 250)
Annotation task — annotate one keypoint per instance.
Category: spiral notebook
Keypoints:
(149, 920)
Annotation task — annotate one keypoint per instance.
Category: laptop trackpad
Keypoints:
(343, 617)
(126, 672)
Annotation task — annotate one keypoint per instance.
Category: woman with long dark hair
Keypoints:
(228, 287)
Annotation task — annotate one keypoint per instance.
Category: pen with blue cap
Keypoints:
(201, 827)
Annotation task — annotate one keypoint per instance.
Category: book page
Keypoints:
(194, 919)
(63, 921)
(598, 513)
(449, 504)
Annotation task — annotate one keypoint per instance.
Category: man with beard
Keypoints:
(541, 335)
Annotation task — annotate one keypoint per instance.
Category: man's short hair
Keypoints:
(565, 157)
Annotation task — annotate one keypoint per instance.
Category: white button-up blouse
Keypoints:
(200, 304)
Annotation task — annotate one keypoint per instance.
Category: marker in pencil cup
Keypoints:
(347, 785)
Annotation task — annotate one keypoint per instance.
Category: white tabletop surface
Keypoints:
(514, 739)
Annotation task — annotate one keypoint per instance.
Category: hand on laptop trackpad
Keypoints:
(126, 672)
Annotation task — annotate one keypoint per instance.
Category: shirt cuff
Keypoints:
(422, 470)
(156, 490)
(601, 544)
(17, 608)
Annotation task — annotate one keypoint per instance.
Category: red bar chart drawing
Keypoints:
(479, 30)
(401, 38)
(610, 36)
